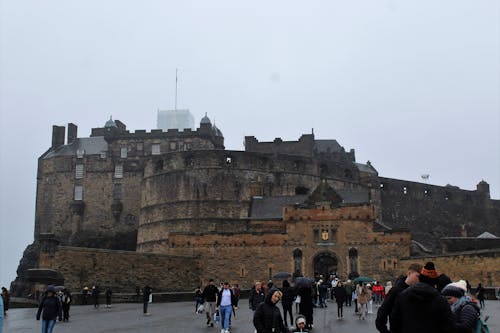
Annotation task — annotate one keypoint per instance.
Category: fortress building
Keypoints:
(175, 208)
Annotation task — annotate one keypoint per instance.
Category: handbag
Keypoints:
(217, 317)
(200, 309)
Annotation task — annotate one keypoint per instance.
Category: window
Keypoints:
(173, 145)
(140, 146)
(80, 153)
(316, 235)
(155, 149)
(297, 261)
(405, 190)
(353, 260)
(78, 192)
(119, 171)
(117, 191)
(79, 171)
(123, 152)
(103, 154)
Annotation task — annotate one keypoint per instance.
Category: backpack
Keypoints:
(481, 325)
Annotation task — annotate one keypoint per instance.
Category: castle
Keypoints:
(174, 208)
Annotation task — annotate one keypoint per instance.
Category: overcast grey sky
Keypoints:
(412, 86)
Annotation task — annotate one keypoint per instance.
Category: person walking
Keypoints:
(66, 303)
(198, 298)
(146, 299)
(49, 309)
(464, 310)
(401, 284)
(237, 292)
(226, 303)
(6, 300)
(209, 300)
(348, 290)
(363, 295)
(421, 308)
(267, 317)
(340, 297)
(480, 295)
(95, 296)
(287, 302)
(108, 294)
(1, 314)
(306, 304)
(257, 296)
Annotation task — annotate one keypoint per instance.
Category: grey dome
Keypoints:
(110, 123)
(205, 120)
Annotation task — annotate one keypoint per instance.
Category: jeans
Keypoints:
(48, 325)
(225, 313)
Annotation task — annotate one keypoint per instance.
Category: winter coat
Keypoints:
(256, 297)
(210, 293)
(466, 318)
(305, 306)
(145, 293)
(234, 300)
(267, 317)
(420, 308)
(385, 309)
(340, 294)
(288, 296)
(51, 307)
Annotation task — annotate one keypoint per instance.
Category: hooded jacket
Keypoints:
(420, 308)
(267, 317)
(466, 317)
(51, 307)
(385, 309)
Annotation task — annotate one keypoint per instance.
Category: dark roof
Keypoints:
(327, 146)
(272, 207)
(365, 168)
(94, 145)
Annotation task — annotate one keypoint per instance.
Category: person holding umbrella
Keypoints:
(304, 291)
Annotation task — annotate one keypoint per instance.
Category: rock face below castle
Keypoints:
(303, 206)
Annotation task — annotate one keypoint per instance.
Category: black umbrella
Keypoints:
(303, 282)
(282, 275)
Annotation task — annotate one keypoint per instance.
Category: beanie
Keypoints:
(428, 274)
(452, 289)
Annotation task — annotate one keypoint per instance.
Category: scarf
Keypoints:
(458, 304)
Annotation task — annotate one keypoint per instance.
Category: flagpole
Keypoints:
(175, 89)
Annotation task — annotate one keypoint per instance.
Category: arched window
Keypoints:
(297, 261)
(353, 260)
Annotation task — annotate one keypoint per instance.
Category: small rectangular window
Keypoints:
(119, 171)
(173, 145)
(117, 191)
(123, 152)
(78, 192)
(79, 171)
(155, 149)
(140, 146)
(103, 154)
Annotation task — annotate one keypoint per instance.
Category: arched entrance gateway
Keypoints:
(325, 263)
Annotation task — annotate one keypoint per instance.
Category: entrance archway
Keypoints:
(325, 263)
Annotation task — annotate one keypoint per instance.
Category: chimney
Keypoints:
(57, 136)
(72, 133)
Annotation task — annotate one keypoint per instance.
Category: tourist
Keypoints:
(379, 292)
(464, 310)
(95, 296)
(401, 284)
(306, 304)
(51, 308)
(209, 300)
(287, 301)
(65, 302)
(257, 296)
(364, 294)
(198, 298)
(226, 304)
(300, 325)
(369, 299)
(480, 295)
(6, 300)
(1, 314)
(421, 308)
(348, 291)
(267, 317)
(236, 292)
(340, 297)
(147, 298)
(108, 294)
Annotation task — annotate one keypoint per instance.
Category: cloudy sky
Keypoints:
(412, 86)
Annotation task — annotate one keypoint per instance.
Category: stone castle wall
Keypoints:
(122, 270)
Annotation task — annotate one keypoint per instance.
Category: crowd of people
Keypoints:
(421, 300)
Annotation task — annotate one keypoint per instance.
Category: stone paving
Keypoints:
(180, 317)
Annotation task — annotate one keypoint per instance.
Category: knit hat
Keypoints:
(300, 319)
(428, 274)
(453, 289)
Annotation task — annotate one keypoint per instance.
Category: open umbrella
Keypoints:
(282, 275)
(363, 279)
(303, 282)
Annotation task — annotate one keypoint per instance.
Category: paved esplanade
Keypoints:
(180, 317)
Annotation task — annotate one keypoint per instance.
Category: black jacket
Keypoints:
(146, 292)
(385, 309)
(420, 308)
(267, 317)
(256, 298)
(51, 307)
(340, 294)
(288, 296)
(466, 318)
(210, 293)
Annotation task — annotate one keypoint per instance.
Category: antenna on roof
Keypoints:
(175, 89)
